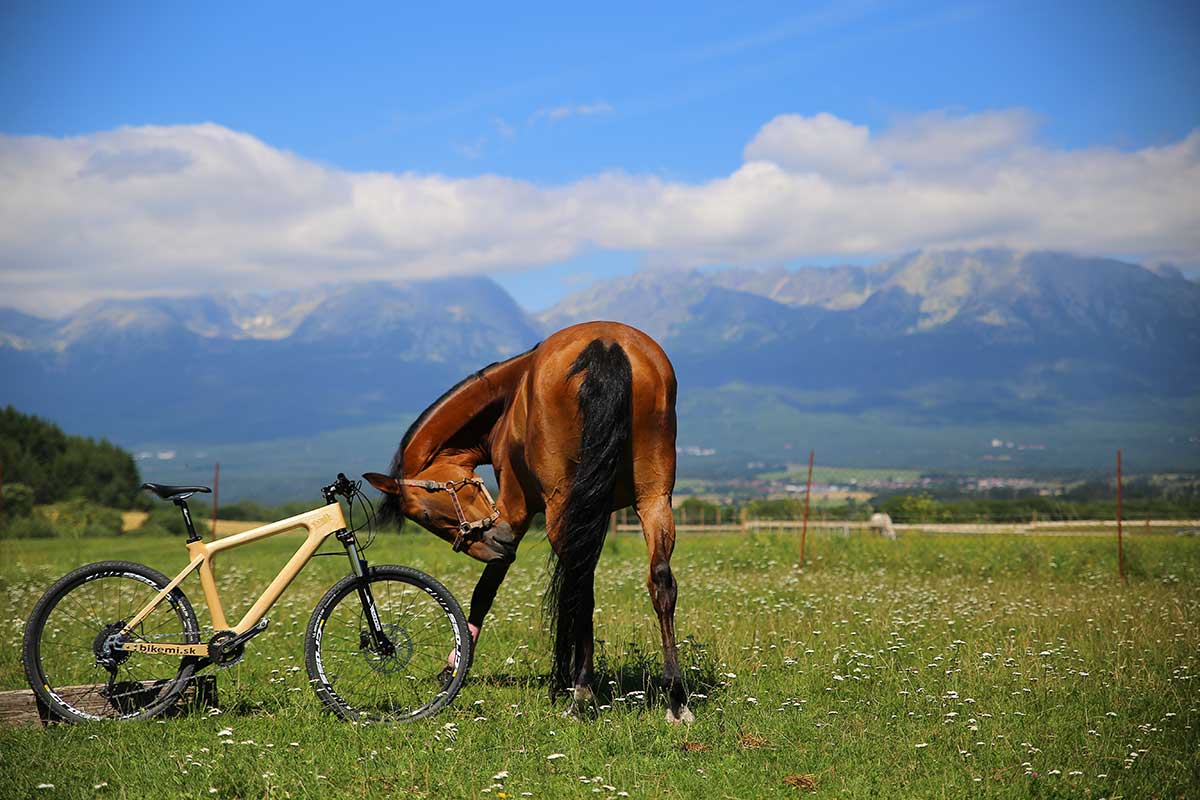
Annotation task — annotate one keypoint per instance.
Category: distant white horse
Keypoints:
(882, 524)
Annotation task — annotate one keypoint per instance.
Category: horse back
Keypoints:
(552, 422)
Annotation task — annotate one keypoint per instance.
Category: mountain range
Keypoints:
(974, 340)
(1028, 330)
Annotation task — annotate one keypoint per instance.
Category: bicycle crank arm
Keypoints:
(250, 634)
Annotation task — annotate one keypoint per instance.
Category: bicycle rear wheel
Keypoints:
(405, 680)
(68, 649)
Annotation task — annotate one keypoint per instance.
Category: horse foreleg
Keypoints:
(481, 601)
(658, 527)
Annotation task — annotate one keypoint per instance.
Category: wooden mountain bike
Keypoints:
(119, 640)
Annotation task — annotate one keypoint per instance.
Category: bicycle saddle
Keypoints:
(171, 492)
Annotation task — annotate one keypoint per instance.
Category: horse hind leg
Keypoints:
(658, 526)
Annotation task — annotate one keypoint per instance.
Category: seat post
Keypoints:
(187, 517)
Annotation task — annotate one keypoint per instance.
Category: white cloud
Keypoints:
(177, 209)
(822, 145)
(939, 139)
(582, 110)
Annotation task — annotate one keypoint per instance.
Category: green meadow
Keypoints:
(932, 666)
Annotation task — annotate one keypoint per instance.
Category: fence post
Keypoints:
(1120, 546)
(807, 491)
(216, 492)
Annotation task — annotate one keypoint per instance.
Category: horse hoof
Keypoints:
(583, 703)
(683, 716)
(575, 710)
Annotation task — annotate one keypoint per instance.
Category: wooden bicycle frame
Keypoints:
(320, 523)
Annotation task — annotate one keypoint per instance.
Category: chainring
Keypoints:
(221, 654)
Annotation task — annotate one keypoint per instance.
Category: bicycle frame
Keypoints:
(320, 524)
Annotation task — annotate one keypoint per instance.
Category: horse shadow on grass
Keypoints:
(632, 678)
(629, 678)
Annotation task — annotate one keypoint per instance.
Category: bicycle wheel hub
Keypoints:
(389, 662)
(104, 646)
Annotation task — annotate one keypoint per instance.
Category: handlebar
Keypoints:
(341, 486)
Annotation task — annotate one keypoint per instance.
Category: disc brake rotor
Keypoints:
(402, 649)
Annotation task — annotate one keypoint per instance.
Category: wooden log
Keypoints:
(23, 707)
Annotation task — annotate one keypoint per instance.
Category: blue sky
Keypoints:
(669, 95)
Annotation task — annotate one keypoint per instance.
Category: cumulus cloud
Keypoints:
(178, 209)
(823, 145)
(938, 138)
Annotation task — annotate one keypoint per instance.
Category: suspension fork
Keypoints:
(358, 565)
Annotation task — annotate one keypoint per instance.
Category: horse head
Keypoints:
(451, 502)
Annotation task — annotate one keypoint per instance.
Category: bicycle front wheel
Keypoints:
(414, 673)
(70, 654)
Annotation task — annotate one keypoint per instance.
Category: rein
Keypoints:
(468, 532)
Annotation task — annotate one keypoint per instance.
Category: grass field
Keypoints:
(934, 666)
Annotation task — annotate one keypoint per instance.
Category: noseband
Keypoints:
(468, 532)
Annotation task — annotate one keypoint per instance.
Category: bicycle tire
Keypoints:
(361, 685)
(71, 639)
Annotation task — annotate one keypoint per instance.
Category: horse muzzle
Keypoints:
(498, 545)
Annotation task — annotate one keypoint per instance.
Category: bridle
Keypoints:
(468, 532)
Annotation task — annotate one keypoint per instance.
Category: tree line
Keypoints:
(80, 479)
(57, 466)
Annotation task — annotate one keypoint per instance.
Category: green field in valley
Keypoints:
(933, 666)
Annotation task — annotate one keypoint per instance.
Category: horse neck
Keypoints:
(459, 425)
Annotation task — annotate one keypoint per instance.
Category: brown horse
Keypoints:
(579, 426)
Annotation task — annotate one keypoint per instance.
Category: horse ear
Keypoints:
(383, 483)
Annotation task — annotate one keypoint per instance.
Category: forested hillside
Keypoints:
(58, 466)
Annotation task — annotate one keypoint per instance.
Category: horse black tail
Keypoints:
(604, 406)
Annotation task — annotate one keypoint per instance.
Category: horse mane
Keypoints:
(391, 507)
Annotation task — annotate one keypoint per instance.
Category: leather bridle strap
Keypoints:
(468, 532)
